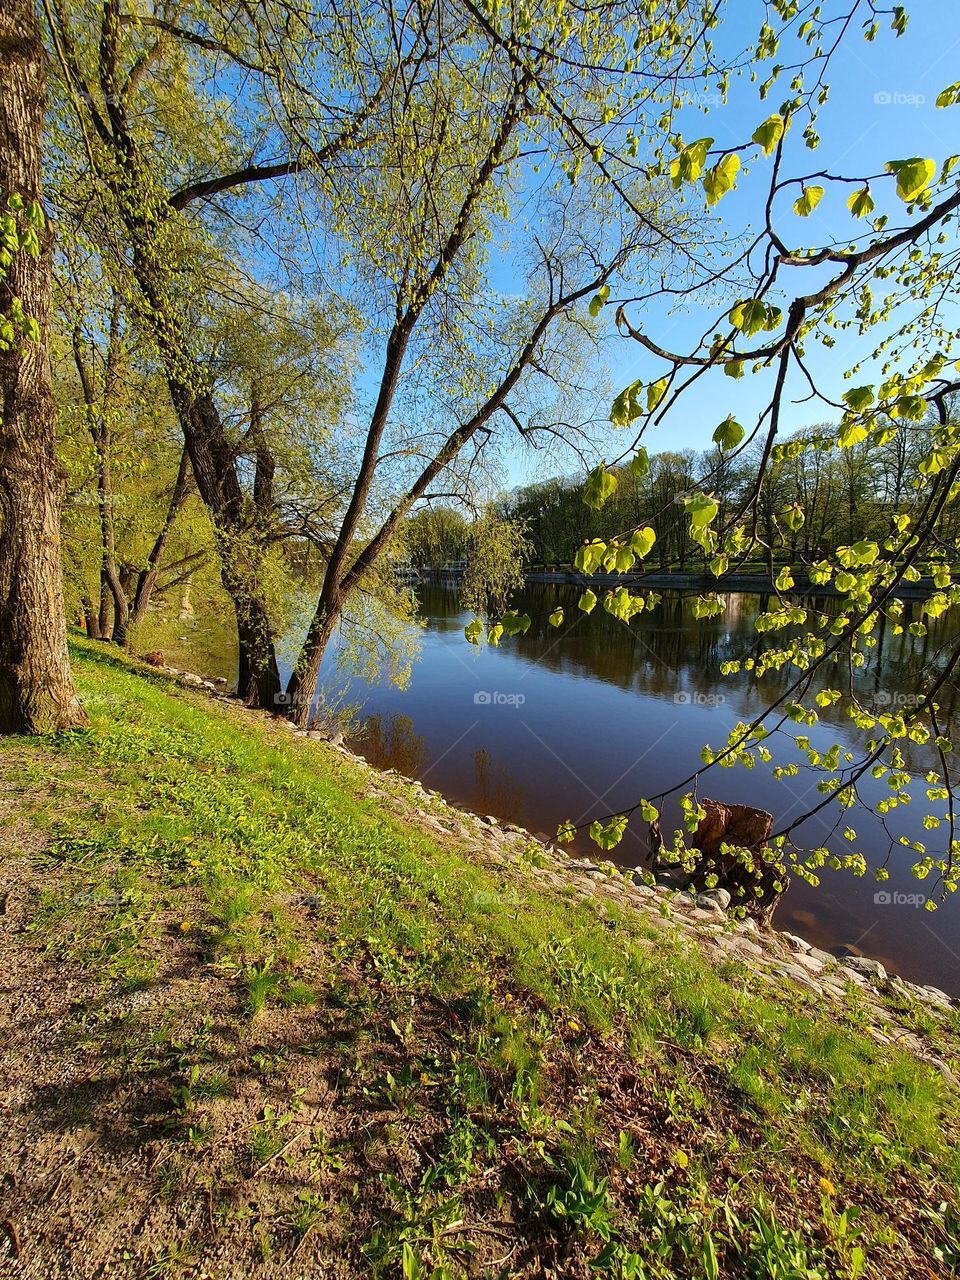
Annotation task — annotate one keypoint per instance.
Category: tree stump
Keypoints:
(754, 877)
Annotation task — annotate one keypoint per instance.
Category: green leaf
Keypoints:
(769, 133)
(608, 836)
(721, 178)
(729, 434)
(655, 393)
(858, 398)
(600, 486)
(641, 543)
(860, 203)
(950, 96)
(626, 407)
(648, 811)
(623, 559)
(793, 517)
(807, 201)
(598, 300)
(473, 631)
(556, 618)
(689, 161)
(640, 463)
(702, 510)
(733, 369)
(751, 315)
(515, 624)
(590, 556)
(587, 601)
(935, 461)
(851, 433)
(913, 176)
(494, 632)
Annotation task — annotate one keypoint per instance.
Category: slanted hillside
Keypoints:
(266, 1014)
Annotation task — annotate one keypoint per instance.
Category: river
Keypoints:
(577, 722)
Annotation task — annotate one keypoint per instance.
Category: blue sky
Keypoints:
(881, 107)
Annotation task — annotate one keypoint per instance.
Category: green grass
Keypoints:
(558, 1085)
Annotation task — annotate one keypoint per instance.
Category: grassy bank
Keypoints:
(262, 1023)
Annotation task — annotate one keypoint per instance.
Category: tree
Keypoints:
(472, 118)
(36, 688)
(141, 163)
(891, 274)
(436, 535)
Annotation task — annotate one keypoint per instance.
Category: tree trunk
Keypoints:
(302, 685)
(91, 622)
(239, 548)
(147, 577)
(36, 688)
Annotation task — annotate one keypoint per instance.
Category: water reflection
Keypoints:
(582, 720)
(498, 791)
(390, 742)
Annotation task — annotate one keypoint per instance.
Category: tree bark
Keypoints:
(302, 685)
(112, 592)
(239, 549)
(36, 688)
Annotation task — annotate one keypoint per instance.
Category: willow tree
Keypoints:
(151, 150)
(884, 285)
(473, 175)
(36, 690)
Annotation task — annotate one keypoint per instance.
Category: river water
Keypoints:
(579, 722)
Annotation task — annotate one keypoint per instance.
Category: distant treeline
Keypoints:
(845, 495)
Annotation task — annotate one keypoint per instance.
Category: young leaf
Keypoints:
(590, 556)
(587, 601)
(600, 486)
(640, 464)
(749, 316)
(793, 517)
(851, 433)
(729, 434)
(655, 393)
(858, 398)
(807, 201)
(721, 178)
(769, 133)
(913, 176)
(598, 300)
(689, 161)
(626, 407)
(608, 836)
(515, 624)
(702, 510)
(641, 543)
(556, 618)
(860, 203)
